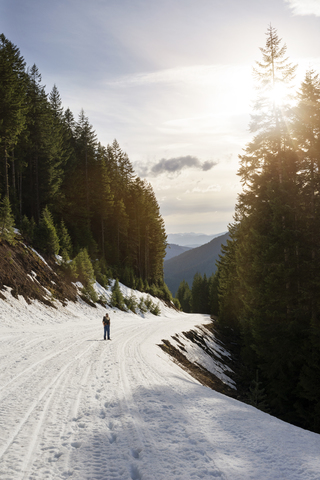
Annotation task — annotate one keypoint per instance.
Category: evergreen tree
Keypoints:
(27, 229)
(259, 276)
(12, 105)
(117, 299)
(84, 268)
(306, 135)
(39, 152)
(6, 221)
(86, 144)
(47, 239)
(64, 241)
(183, 295)
(213, 292)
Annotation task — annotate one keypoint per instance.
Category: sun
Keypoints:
(278, 94)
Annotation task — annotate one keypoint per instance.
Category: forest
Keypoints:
(269, 271)
(265, 292)
(67, 193)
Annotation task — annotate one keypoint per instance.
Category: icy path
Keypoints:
(75, 406)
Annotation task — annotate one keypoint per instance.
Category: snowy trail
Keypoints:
(75, 406)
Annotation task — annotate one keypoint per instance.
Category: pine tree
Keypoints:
(265, 210)
(306, 134)
(274, 76)
(117, 299)
(6, 221)
(259, 276)
(200, 294)
(213, 292)
(12, 105)
(47, 239)
(86, 143)
(65, 242)
(183, 295)
(84, 268)
(27, 229)
(102, 199)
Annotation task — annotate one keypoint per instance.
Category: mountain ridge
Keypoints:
(191, 239)
(197, 260)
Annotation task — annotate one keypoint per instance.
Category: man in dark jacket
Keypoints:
(106, 325)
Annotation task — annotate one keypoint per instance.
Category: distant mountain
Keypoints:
(191, 239)
(186, 265)
(173, 250)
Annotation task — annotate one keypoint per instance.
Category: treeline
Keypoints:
(269, 273)
(202, 297)
(53, 169)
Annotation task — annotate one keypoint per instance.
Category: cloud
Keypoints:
(305, 7)
(175, 165)
(210, 188)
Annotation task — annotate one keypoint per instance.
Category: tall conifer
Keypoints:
(12, 105)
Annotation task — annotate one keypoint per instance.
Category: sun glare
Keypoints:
(279, 94)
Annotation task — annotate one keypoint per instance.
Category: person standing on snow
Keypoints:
(106, 325)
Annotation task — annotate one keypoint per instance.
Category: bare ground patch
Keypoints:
(202, 374)
(22, 270)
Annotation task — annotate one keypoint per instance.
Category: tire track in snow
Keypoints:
(38, 409)
(34, 405)
(47, 358)
(103, 420)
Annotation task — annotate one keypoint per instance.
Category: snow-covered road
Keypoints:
(75, 406)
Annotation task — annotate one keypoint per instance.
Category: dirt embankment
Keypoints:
(22, 270)
(202, 374)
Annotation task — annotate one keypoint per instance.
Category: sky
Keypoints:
(171, 80)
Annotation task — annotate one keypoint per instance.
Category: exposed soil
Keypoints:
(202, 374)
(22, 270)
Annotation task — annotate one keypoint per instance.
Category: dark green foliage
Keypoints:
(269, 273)
(142, 306)
(117, 299)
(46, 238)
(200, 294)
(6, 221)
(309, 381)
(131, 303)
(102, 273)
(64, 241)
(12, 104)
(183, 295)
(147, 305)
(202, 297)
(257, 396)
(27, 229)
(140, 285)
(51, 160)
(213, 292)
(177, 304)
(89, 293)
(83, 268)
(162, 291)
(152, 307)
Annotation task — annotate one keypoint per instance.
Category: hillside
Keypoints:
(186, 265)
(31, 276)
(75, 406)
(173, 250)
(191, 239)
